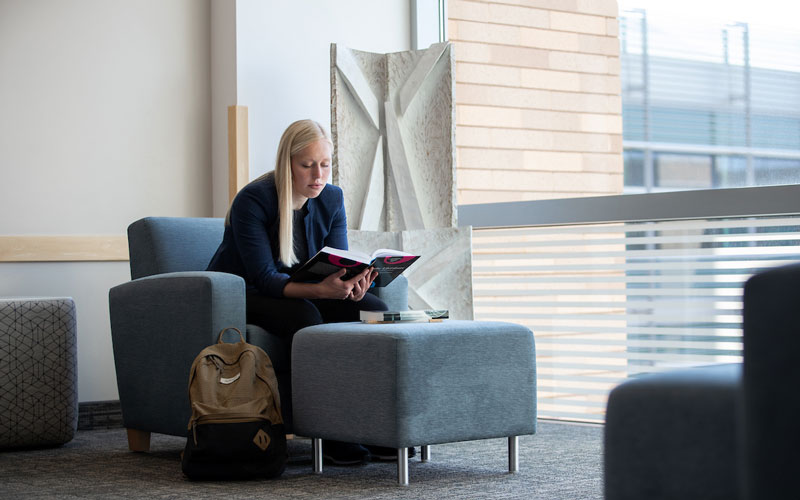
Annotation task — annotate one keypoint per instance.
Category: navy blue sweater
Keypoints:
(249, 246)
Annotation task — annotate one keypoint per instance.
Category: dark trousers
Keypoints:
(284, 317)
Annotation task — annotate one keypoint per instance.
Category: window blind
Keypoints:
(612, 301)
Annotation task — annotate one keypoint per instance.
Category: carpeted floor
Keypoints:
(562, 461)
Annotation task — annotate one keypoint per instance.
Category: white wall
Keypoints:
(223, 94)
(104, 118)
(114, 110)
(104, 113)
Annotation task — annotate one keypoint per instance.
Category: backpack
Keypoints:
(236, 429)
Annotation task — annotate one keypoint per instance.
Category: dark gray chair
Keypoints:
(716, 432)
(170, 310)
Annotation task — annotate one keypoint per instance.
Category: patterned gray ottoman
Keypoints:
(414, 384)
(38, 372)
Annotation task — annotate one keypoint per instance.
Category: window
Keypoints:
(708, 105)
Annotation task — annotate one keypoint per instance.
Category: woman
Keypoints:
(274, 225)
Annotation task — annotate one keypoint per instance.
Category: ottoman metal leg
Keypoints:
(513, 454)
(402, 466)
(317, 455)
(425, 453)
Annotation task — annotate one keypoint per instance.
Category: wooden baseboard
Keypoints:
(99, 248)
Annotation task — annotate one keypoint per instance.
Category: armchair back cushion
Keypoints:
(170, 244)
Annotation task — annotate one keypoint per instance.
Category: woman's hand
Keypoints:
(362, 285)
(333, 287)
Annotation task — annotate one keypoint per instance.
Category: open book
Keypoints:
(389, 264)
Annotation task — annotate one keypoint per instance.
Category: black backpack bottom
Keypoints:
(244, 450)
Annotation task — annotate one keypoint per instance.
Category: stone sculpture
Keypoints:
(393, 130)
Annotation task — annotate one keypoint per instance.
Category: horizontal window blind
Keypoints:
(612, 301)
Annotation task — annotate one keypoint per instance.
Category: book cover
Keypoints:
(389, 264)
(411, 315)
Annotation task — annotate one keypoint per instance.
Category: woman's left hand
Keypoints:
(362, 285)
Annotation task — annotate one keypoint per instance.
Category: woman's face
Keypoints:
(311, 168)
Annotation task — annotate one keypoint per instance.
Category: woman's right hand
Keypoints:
(333, 287)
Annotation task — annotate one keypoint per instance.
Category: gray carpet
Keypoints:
(563, 461)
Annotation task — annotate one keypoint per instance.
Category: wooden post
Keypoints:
(238, 159)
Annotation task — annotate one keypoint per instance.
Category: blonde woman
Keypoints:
(274, 225)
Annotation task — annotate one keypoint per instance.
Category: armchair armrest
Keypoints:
(158, 326)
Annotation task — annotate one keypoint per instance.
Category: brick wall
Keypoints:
(538, 108)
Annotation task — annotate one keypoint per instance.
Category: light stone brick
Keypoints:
(519, 16)
(548, 39)
(616, 143)
(614, 66)
(466, 10)
(489, 116)
(554, 161)
(506, 180)
(606, 163)
(608, 8)
(564, 5)
(610, 124)
(473, 52)
(598, 84)
(470, 31)
(472, 196)
(452, 30)
(550, 80)
(488, 75)
(587, 182)
(550, 120)
(582, 142)
(483, 137)
(612, 27)
(475, 158)
(593, 44)
(472, 137)
(579, 23)
(614, 104)
(518, 56)
(585, 103)
(503, 96)
(583, 63)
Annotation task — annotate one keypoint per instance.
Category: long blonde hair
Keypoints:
(296, 138)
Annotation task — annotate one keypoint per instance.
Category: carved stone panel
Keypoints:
(393, 131)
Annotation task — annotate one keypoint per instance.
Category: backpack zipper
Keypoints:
(228, 418)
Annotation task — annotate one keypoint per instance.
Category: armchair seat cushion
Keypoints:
(673, 435)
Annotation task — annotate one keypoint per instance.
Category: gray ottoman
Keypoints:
(673, 435)
(38, 372)
(414, 384)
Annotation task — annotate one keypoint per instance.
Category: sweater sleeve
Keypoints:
(250, 219)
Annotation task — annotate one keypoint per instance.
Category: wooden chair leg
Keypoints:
(138, 440)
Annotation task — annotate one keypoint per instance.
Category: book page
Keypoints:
(388, 252)
(348, 254)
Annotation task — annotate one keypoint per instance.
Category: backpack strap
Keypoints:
(221, 333)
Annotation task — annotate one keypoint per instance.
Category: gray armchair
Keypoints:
(716, 432)
(170, 310)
